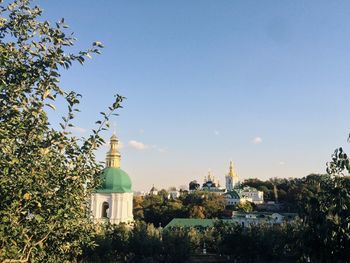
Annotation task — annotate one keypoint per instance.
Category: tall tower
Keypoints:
(113, 155)
(113, 200)
(231, 178)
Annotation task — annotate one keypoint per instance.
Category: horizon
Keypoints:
(262, 84)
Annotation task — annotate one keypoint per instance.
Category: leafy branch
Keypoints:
(95, 140)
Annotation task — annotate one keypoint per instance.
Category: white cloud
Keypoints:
(257, 140)
(142, 146)
(77, 129)
(137, 145)
(282, 163)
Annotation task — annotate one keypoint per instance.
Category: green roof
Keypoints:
(233, 194)
(114, 180)
(195, 222)
(191, 222)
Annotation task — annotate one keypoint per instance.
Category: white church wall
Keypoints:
(120, 207)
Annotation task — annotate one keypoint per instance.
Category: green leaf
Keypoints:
(51, 106)
(98, 44)
(38, 218)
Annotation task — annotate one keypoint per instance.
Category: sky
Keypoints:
(262, 83)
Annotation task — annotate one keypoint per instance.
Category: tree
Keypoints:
(163, 194)
(196, 212)
(176, 245)
(193, 185)
(46, 174)
(244, 207)
(145, 241)
(201, 204)
(137, 208)
(112, 244)
(213, 204)
(325, 228)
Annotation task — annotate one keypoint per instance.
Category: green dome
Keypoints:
(233, 194)
(114, 180)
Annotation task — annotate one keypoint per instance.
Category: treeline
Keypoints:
(160, 209)
(320, 234)
(231, 243)
(289, 191)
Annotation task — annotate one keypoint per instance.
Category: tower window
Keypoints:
(105, 207)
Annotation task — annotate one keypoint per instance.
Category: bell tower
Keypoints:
(112, 201)
(231, 178)
(113, 155)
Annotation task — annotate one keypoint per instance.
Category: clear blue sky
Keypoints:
(264, 83)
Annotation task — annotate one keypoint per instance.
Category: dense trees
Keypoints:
(145, 243)
(45, 173)
(161, 209)
(325, 235)
(325, 225)
(321, 234)
(290, 191)
(141, 243)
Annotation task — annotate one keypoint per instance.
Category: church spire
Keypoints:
(209, 176)
(231, 172)
(113, 155)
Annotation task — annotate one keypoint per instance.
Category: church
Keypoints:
(113, 200)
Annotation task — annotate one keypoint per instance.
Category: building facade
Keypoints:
(232, 198)
(257, 197)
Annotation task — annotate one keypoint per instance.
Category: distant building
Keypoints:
(233, 198)
(210, 186)
(173, 194)
(234, 194)
(256, 197)
(113, 201)
(153, 191)
(231, 179)
(254, 218)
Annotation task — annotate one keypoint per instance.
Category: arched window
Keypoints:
(105, 207)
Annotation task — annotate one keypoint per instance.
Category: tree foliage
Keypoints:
(244, 207)
(291, 192)
(46, 174)
(325, 235)
(160, 210)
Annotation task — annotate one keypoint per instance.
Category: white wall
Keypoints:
(120, 207)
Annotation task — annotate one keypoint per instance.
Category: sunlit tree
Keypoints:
(46, 174)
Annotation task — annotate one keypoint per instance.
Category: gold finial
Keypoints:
(231, 172)
(113, 155)
(209, 175)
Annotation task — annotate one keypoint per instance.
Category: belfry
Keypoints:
(113, 200)
(231, 178)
